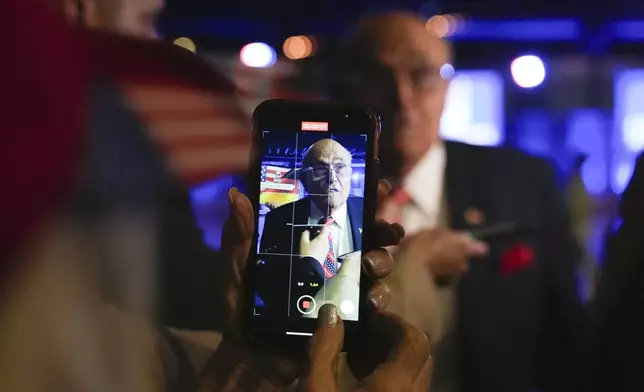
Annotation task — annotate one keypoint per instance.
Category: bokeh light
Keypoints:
(438, 25)
(299, 47)
(447, 71)
(186, 43)
(528, 71)
(443, 26)
(258, 55)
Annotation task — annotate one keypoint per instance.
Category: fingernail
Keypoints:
(379, 297)
(480, 247)
(374, 263)
(386, 183)
(234, 213)
(328, 315)
(400, 230)
(232, 195)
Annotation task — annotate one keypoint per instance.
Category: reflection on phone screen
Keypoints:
(310, 223)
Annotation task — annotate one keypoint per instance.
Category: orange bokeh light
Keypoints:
(298, 47)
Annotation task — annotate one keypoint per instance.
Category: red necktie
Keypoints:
(329, 261)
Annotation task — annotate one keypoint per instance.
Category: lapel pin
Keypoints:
(360, 229)
(474, 217)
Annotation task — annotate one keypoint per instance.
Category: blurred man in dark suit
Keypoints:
(505, 316)
(618, 310)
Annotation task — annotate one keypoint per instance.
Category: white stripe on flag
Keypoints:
(177, 130)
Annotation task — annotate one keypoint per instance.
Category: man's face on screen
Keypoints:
(327, 173)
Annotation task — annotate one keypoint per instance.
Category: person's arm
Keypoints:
(565, 328)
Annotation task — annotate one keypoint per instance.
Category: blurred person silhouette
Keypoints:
(618, 307)
(515, 298)
(62, 224)
(184, 259)
(582, 215)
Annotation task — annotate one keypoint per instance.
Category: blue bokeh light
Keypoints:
(474, 109)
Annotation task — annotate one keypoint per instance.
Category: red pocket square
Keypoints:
(518, 256)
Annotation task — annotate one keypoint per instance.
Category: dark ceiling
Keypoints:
(231, 22)
(298, 13)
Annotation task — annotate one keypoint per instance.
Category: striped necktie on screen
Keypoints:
(329, 261)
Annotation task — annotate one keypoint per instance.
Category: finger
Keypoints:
(379, 296)
(384, 234)
(384, 187)
(324, 351)
(421, 384)
(392, 346)
(478, 248)
(472, 246)
(305, 238)
(236, 242)
(378, 263)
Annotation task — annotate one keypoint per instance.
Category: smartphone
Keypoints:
(314, 166)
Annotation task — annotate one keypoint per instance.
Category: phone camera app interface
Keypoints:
(310, 222)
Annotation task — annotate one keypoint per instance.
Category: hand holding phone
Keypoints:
(404, 367)
(279, 368)
(318, 161)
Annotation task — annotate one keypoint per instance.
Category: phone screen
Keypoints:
(314, 181)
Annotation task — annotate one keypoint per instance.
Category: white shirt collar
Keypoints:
(340, 216)
(424, 184)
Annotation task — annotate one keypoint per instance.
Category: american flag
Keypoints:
(203, 134)
(274, 179)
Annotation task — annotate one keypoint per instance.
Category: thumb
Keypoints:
(305, 238)
(324, 352)
(324, 233)
(406, 350)
(236, 242)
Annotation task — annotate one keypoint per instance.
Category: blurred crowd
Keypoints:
(107, 285)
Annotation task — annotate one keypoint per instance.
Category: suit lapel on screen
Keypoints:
(302, 211)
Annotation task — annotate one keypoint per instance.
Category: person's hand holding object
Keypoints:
(400, 350)
(238, 366)
(446, 252)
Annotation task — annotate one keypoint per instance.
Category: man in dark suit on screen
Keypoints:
(316, 230)
(505, 315)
